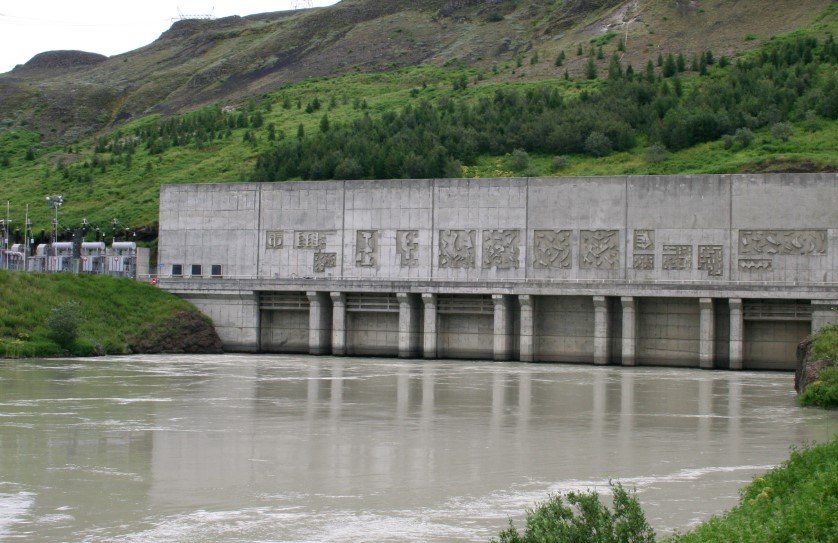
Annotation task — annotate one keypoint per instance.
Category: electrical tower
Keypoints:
(301, 4)
(204, 16)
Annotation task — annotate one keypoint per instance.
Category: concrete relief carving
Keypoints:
(501, 249)
(323, 261)
(407, 246)
(274, 239)
(457, 248)
(782, 242)
(677, 257)
(599, 249)
(551, 249)
(755, 264)
(644, 240)
(644, 262)
(366, 248)
(308, 239)
(711, 259)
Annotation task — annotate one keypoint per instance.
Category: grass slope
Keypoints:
(130, 192)
(114, 312)
(794, 502)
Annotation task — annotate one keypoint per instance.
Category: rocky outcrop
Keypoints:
(52, 60)
(808, 370)
(185, 332)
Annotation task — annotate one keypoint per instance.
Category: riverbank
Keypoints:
(816, 380)
(794, 502)
(43, 315)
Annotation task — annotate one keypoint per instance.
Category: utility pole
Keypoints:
(27, 232)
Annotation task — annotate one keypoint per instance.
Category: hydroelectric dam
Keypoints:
(710, 271)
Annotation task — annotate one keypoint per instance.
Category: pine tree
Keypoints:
(590, 69)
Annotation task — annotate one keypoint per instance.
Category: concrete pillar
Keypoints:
(429, 333)
(601, 332)
(319, 323)
(824, 312)
(408, 325)
(338, 323)
(737, 334)
(706, 334)
(629, 343)
(503, 328)
(527, 331)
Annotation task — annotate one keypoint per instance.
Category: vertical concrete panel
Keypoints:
(338, 323)
(772, 345)
(284, 331)
(706, 333)
(629, 332)
(564, 329)
(668, 332)
(320, 323)
(526, 350)
(372, 334)
(737, 334)
(601, 331)
(430, 326)
(466, 336)
(502, 345)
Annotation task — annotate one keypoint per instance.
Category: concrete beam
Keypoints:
(526, 349)
(707, 333)
(319, 323)
(408, 325)
(503, 328)
(429, 331)
(737, 334)
(601, 331)
(629, 343)
(338, 323)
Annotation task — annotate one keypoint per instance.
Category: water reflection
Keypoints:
(321, 449)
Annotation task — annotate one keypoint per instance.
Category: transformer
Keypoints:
(122, 260)
(93, 257)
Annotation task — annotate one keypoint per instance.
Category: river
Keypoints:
(305, 449)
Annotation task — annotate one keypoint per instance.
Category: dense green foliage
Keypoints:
(823, 392)
(584, 520)
(789, 79)
(50, 314)
(794, 502)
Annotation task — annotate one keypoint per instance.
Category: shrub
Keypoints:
(781, 131)
(598, 144)
(559, 163)
(519, 160)
(824, 391)
(63, 324)
(743, 137)
(587, 519)
(656, 153)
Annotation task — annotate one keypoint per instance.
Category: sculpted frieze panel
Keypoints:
(324, 261)
(644, 240)
(457, 248)
(274, 239)
(644, 261)
(366, 248)
(599, 249)
(711, 259)
(782, 242)
(755, 264)
(407, 246)
(501, 249)
(309, 239)
(677, 257)
(551, 249)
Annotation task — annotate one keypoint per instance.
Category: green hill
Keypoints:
(752, 103)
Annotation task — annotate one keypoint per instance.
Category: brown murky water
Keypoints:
(287, 448)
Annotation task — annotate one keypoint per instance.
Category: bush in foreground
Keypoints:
(820, 385)
(585, 519)
(824, 391)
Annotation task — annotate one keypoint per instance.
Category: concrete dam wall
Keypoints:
(711, 271)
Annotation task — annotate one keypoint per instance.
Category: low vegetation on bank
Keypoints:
(82, 315)
(822, 357)
(793, 502)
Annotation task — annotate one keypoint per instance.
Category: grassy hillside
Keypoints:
(114, 316)
(228, 60)
(118, 173)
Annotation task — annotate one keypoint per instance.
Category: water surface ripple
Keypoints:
(306, 449)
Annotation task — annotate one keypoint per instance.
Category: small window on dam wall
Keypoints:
(177, 270)
(197, 271)
(215, 270)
